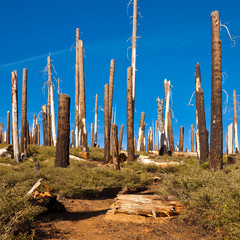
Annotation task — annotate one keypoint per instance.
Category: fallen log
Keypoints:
(146, 205)
(185, 154)
(147, 161)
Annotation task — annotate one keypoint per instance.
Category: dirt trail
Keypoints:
(87, 220)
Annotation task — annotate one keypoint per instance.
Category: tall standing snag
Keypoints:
(115, 147)
(140, 142)
(15, 118)
(62, 149)
(216, 139)
(130, 116)
(44, 118)
(106, 125)
(24, 113)
(8, 127)
(181, 139)
(235, 121)
(120, 138)
(91, 134)
(192, 139)
(96, 121)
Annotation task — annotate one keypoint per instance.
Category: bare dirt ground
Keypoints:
(87, 220)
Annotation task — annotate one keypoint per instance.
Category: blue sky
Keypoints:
(173, 37)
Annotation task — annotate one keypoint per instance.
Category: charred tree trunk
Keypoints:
(115, 157)
(216, 140)
(91, 134)
(130, 116)
(181, 139)
(141, 132)
(96, 121)
(82, 97)
(235, 121)
(28, 135)
(8, 127)
(24, 113)
(106, 125)
(77, 91)
(120, 138)
(192, 139)
(111, 84)
(15, 117)
(44, 118)
(62, 149)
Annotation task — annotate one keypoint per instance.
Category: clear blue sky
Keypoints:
(174, 36)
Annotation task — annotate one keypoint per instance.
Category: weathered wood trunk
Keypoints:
(150, 139)
(8, 127)
(130, 116)
(44, 118)
(91, 134)
(115, 155)
(62, 149)
(37, 133)
(111, 85)
(34, 129)
(82, 97)
(226, 143)
(141, 133)
(77, 90)
(96, 121)
(50, 83)
(156, 137)
(24, 113)
(28, 133)
(230, 139)
(203, 149)
(235, 121)
(72, 143)
(181, 139)
(106, 125)
(143, 139)
(146, 205)
(49, 133)
(15, 117)
(216, 139)
(192, 139)
(120, 138)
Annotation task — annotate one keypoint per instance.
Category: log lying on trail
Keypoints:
(146, 205)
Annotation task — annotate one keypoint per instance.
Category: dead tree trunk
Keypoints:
(49, 134)
(235, 121)
(216, 140)
(28, 135)
(106, 125)
(120, 138)
(130, 116)
(111, 84)
(202, 133)
(72, 144)
(37, 133)
(150, 139)
(230, 139)
(15, 117)
(192, 139)
(44, 118)
(226, 143)
(181, 139)
(82, 97)
(141, 132)
(77, 90)
(62, 149)
(24, 113)
(50, 83)
(34, 128)
(91, 134)
(8, 127)
(115, 157)
(96, 121)
(156, 137)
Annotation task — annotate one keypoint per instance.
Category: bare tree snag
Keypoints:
(115, 157)
(28, 134)
(134, 47)
(230, 139)
(82, 97)
(130, 116)
(96, 121)
(156, 137)
(77, 91)
(72, 144)
(24, 113)
(62, 149)
(106, 125)
(202, 133)
(15, 117)
(37, 134)
(141, 132)
(120, 138)
(150, 139)
(111, 85)
(34, 128)
(216, 139)
(235, 121)
(8, 127)
(181, 139)
(192, 139)
(91, 134)
(44, 118)
(226, 143)
(50, 83)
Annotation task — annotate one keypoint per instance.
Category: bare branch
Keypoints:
(190, 104)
